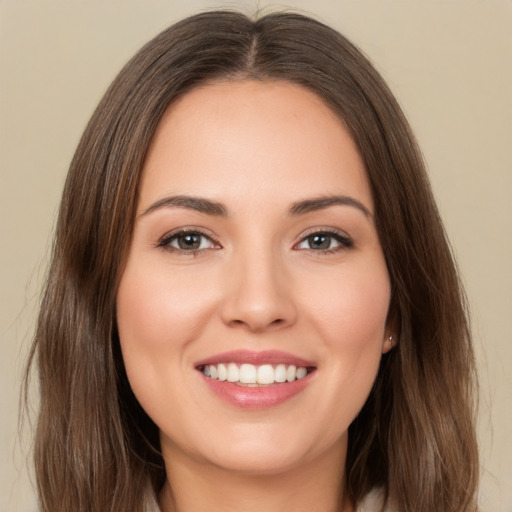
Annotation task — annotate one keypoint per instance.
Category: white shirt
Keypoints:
(371, 503)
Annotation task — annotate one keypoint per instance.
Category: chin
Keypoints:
(257, 462)
(261, 451)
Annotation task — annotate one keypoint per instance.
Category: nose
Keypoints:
(258, 295)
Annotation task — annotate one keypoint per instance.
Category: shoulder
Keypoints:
(373, 502)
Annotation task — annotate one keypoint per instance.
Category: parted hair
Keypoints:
(95, 448)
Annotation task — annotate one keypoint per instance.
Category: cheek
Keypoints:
(158, 308)
(350, 312)
(158, 315)
(351, 307)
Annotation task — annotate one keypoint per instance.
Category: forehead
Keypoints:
(246, 140)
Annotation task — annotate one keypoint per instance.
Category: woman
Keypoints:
(252, 303)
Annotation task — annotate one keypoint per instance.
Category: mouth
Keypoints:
(256, 380)
(251, 375)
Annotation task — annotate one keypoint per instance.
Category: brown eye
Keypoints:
(188, 241)
(325, 241)
(319, 241)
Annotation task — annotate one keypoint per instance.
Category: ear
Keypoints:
(388, 342)
(392, 327)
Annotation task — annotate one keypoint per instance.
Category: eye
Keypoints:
(325, 241)
(191, 241)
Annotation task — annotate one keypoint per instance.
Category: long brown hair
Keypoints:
(95, 448)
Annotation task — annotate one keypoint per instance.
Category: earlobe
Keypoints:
(388, 344)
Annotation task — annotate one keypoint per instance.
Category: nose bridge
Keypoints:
(258, 295)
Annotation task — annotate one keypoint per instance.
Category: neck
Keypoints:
(197, 487)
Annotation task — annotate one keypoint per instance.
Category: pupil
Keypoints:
(319, 241)
(189, 242)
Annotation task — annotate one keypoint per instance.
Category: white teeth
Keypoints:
(291, 373)
(301, 373)
(250, 374)
(233, 373)
(222, 371)
(280, 373)
(266, 374)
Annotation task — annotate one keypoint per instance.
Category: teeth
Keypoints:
(233, 373)
(265, 374)
(301, 373)
(222, 371)
(280, 373)
(250, 374)
(291, 373)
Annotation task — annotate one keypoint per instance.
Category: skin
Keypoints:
(257, 283)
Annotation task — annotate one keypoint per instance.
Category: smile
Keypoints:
(256, 380)
(254, 375)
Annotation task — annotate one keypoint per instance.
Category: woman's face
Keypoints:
(254, 259)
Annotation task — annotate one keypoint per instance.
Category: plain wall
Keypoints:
(448, 62)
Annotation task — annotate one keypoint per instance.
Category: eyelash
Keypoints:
(165, 242)
(344, 241)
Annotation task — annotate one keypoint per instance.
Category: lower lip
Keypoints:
(263, 397)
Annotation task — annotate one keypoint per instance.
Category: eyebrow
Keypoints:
(319, 203)
(215, 208)
(199, 204)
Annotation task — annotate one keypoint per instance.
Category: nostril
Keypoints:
(256, 325)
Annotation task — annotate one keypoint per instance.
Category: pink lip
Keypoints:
(256, 358)
(256, 397)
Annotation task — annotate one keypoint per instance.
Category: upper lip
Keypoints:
(255, 358)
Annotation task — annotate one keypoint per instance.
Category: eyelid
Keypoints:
(341, 236)
(164, 241)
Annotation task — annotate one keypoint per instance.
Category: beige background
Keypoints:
(450, 65)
